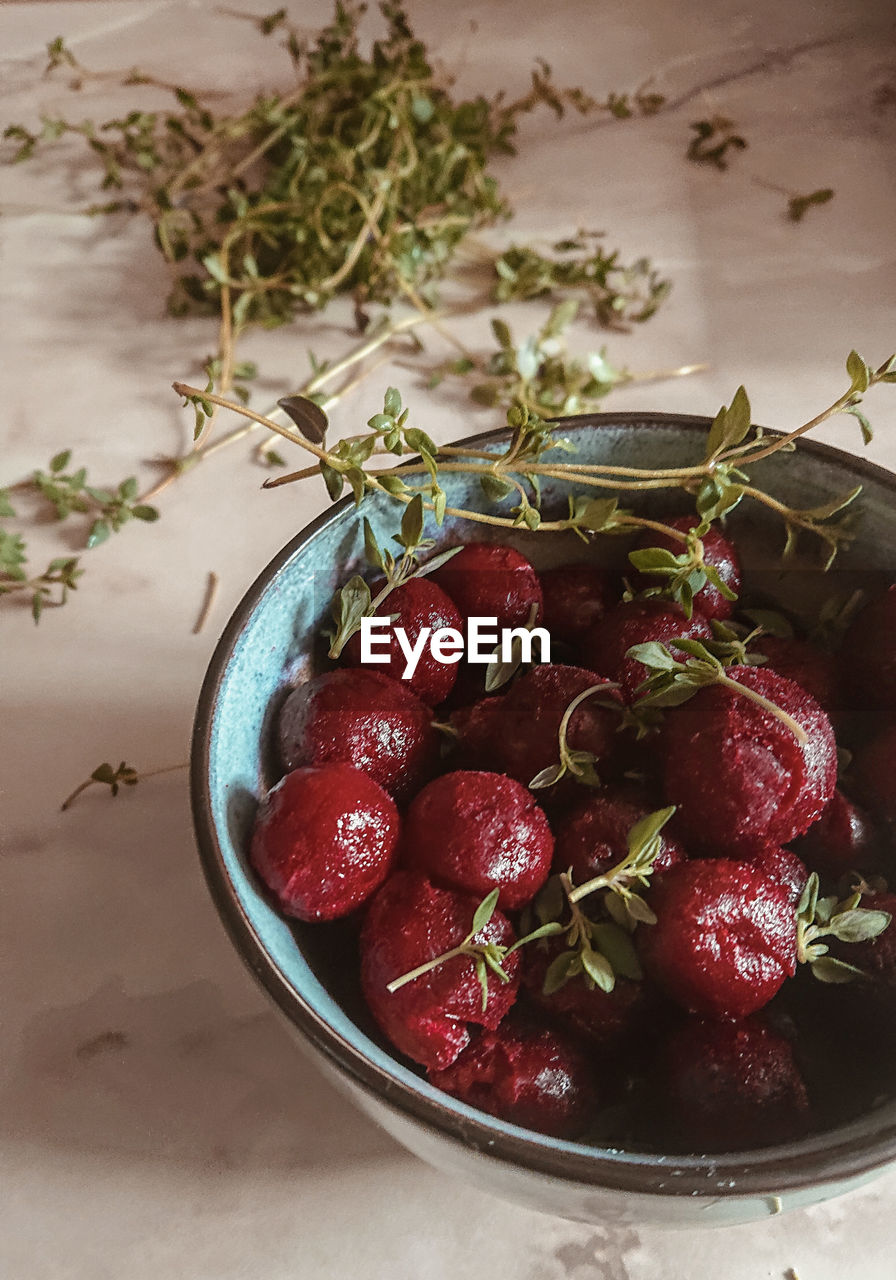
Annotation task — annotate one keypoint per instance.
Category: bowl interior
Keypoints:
(274, 641)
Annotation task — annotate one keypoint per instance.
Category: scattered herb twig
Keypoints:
(541, 374)
(66, 494)
(620, 295)
(798, 206)
(208, 601)
(124, 776)
(713, 140)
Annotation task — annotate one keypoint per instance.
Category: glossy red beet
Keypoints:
(409, 922)
(477, 831)
(783, 866)
(419, 603)
(362, 718)
(811, 668)
(867, 656)
(524, 1074)
(724, 939)
(593, 837)
(718, 552)
(728, 1086)
(872, 773)
(737, 773)
(606, 645)
(608, 1021)
(519, 733)
(576, 596)
(324, 841)
(842, 840)
(486, 580)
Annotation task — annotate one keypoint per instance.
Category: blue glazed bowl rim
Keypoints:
(841, 1154)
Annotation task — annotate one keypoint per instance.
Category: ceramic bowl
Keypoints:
(273, 641)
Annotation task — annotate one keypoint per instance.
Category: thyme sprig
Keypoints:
(718, 483)
(540, 373)
(487, 955)
(673, 682)
(680, 576)
(713, 141)
(65, 493)
(599, 950)
(355, 601)
(125, 775)
(631, 873)
(844, 920)
(575, 761)
(620, 295)
(599, 947)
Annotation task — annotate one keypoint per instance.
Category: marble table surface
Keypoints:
(156, 1118)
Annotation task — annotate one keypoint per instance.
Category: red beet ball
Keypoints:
(812, 669)
(409, 922)
(593, 837)
(842, 840)
(867, 656)
(872, 773)
(783, 866)
(518, 734)
(576, 596)
(606, 645)
(362, 718)
(724, 939)
(728, 1086)
(526, 1075)
(718, 552)
(419, 604)
(486, 580)
(476, 832)
(324, 841)
(737, 773)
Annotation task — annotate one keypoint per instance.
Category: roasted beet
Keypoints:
(872, 773)
(867, 656)
(409, 922)
(519, 733)
(783, 866)
(362, 718)
(606, 645)
(525, 1074)
(477, 831)
(487, 580)
(324, 841)
(593, 837)
(420, 604)
(576, 596)
(724, 938)
(842, 840)
(726, 1086)
(737, 773)
(719, 553)
(809, 667)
